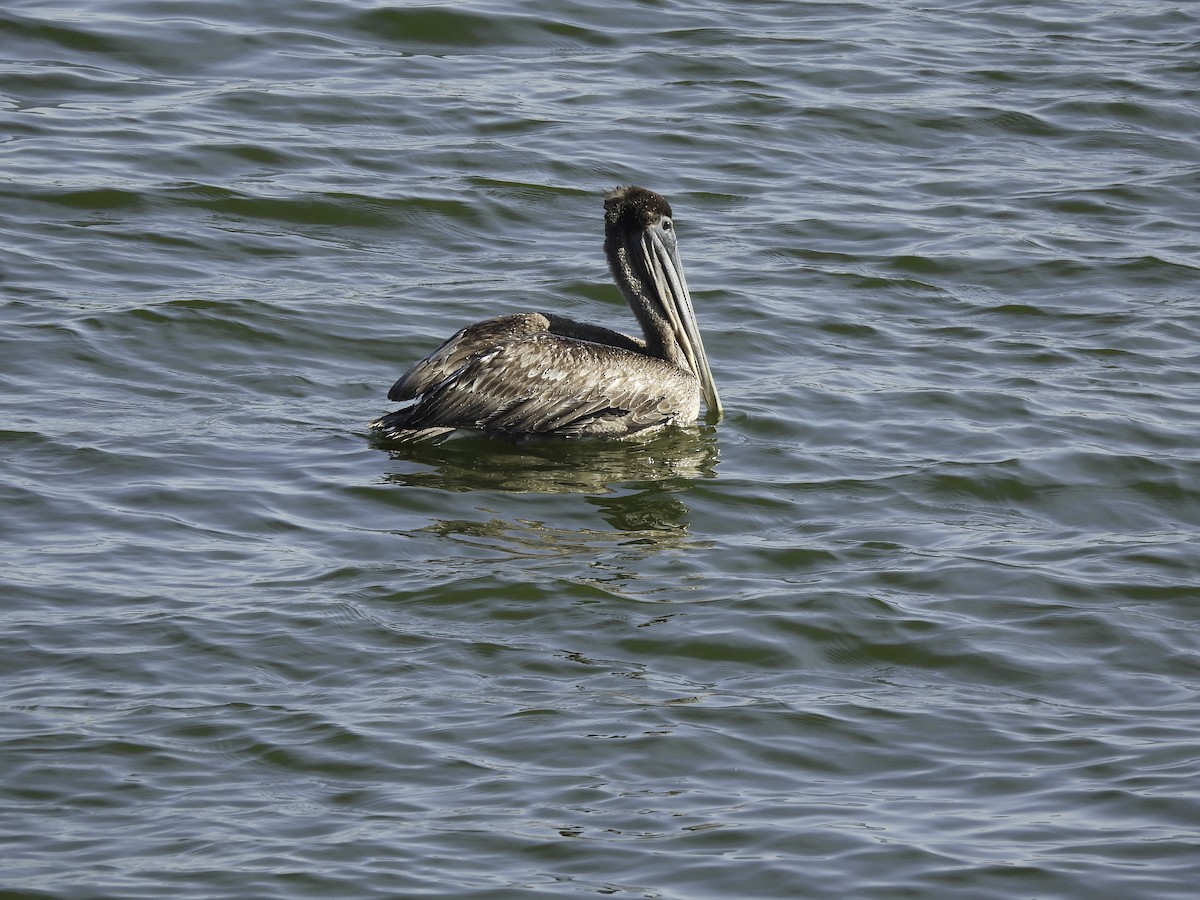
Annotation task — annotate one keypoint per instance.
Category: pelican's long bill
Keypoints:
(662, 262)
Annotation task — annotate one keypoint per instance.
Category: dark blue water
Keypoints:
(918, 619)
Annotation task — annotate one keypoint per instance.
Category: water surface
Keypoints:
(917, 619)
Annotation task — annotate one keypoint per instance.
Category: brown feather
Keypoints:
(531, 386)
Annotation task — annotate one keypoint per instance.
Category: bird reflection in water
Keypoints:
(638, 488)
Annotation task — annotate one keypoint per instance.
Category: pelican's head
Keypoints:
(643, 253)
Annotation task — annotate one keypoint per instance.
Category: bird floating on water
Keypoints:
(541, 374)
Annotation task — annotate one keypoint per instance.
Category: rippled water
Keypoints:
(918, 619)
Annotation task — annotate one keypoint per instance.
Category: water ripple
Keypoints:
(917, 619)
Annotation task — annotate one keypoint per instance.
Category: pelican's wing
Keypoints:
(474, 339)
(484, 336)
(546, 383)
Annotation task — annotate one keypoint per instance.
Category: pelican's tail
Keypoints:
(396, 426)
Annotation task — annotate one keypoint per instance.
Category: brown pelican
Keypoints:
(541, 374)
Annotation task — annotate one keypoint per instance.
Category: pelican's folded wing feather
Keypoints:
(545, 383)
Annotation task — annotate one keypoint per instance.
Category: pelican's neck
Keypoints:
(660, 337)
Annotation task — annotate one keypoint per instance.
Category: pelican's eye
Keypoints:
(666, 224)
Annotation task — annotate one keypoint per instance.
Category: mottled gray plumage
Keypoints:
(541, 374)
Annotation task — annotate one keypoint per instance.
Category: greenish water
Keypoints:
(918, 619)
